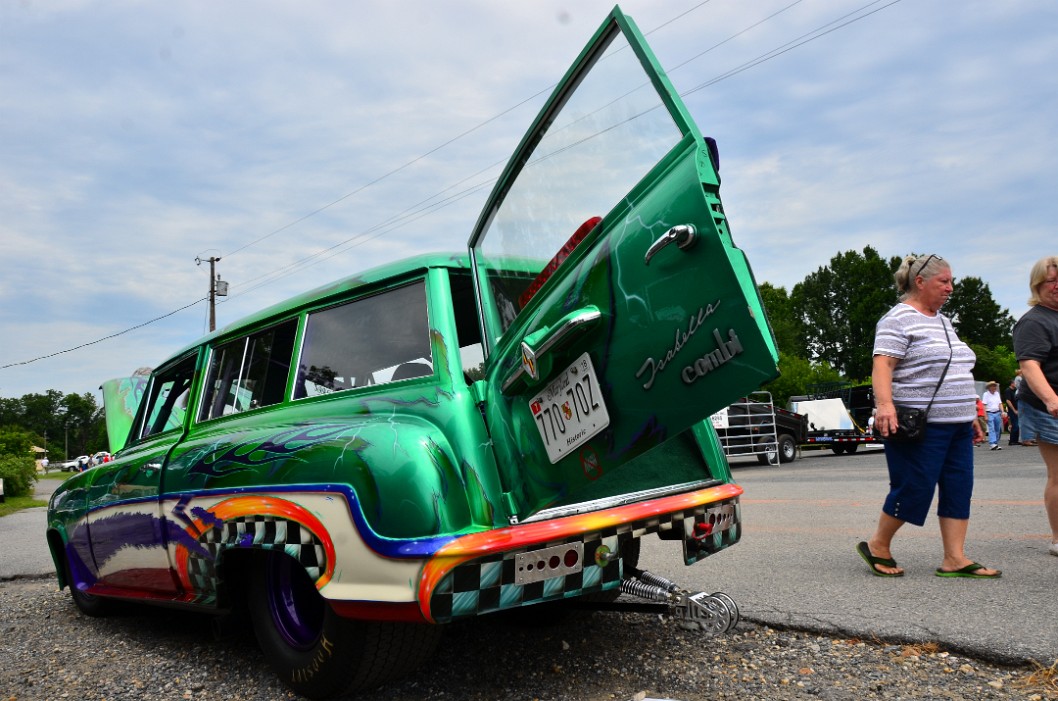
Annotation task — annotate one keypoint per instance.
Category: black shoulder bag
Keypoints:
(911, 421)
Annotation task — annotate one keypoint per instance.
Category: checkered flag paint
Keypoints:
(263, 532)
(489, 584)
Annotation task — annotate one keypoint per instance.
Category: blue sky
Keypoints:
(286, 137)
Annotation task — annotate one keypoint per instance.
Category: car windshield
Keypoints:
(608, 134)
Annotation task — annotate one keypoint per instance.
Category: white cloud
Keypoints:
(135, 137)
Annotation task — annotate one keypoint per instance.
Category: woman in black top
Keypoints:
(1036, 348)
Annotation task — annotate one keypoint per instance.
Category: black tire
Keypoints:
(316, 652)
(770, 454)
(838, 449)
(787, 448)
(851, 448)
(89, 605)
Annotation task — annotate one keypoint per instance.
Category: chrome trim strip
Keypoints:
(619, 500)
(586, 316)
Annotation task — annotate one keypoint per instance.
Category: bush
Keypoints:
(19, 474)
(15, 441)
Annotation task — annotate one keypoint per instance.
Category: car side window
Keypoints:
(464, 303)
(167, 399)
(249, 372)
(370, 341)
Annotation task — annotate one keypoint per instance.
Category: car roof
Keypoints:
(335, 290)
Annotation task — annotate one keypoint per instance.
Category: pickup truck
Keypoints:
(755, 426)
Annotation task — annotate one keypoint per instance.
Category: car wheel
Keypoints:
(316, 652)
(89, 605)
(838, 449)
(851, 448)
(787, 448)
(769, 456)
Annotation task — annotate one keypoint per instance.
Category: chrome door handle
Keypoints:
(684, 236)
(150, 467)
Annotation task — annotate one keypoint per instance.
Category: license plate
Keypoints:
(570, 410)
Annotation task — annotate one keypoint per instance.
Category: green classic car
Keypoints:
(452, 435)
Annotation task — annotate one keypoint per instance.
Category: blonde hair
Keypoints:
(1038, 275)
(917, 266)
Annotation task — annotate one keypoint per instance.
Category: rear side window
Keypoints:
(165, 405)
(371, 341)
(248, 373)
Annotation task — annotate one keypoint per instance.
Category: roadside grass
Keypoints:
(1042, 679)
(12, 504)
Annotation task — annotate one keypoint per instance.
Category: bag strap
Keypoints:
(951, 352)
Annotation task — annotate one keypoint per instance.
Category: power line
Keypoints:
(806, 38)
(431, 151)
(104, 338)
(422, 209)
(396, 220)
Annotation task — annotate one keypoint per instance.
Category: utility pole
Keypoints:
(217, 287)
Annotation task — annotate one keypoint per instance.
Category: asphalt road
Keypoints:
(24, 552)
(796, 565)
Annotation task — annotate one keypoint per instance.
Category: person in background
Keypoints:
(917, 354)
(1036, 348)
(982, 423)
(1011, 404)
(994, 414)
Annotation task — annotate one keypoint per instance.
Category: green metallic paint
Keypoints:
(431, 457)
(672, 311)
(418, 466)
(121, 399)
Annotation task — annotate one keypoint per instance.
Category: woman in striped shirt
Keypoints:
(920, 362)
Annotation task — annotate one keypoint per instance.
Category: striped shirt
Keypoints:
(920, 344)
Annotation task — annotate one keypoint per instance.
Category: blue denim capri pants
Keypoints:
(943, 461)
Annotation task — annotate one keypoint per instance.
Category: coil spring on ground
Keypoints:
(634, 587)
(658, 581)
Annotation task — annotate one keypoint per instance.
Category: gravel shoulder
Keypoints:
(48, 650)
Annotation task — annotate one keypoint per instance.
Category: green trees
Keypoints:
(17, 468)
(838, 306)
(797, 375)
(976, 316)
(824, 327)
(786, 329)
(70, 423)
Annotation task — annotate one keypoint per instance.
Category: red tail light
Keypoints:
(559, 258)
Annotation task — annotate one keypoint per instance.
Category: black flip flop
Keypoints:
(865, 552)
(969, 571)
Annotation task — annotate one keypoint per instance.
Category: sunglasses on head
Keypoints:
(923, 266)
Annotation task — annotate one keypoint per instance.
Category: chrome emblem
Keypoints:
(529, 362)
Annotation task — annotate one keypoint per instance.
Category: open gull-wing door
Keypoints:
(616, 311)
(121, 400)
